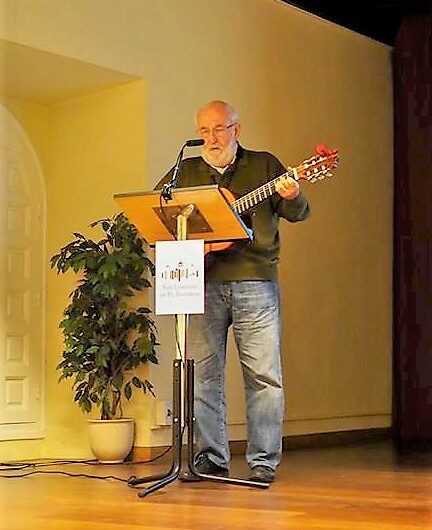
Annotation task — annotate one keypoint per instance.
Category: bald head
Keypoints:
(221, 107)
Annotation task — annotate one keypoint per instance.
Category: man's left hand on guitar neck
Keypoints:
(288, 188)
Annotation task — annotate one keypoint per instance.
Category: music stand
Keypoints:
(199, 212)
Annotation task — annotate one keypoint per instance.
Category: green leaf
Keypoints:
(85, 404)
(150, 387)
(136, 381)
(128, 391)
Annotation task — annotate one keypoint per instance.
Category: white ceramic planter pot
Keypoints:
(111, 440)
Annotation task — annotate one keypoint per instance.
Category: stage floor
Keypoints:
(357, 487)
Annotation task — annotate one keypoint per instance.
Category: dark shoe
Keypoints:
(262, 474)
(205, 466)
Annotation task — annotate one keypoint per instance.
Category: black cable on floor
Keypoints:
(82, 475)
(20, 466)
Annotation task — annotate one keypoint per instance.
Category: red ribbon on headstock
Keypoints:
(324, 150)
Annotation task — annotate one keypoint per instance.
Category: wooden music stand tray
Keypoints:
(200, 212)
(212, 219)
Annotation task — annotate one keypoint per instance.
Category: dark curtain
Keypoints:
(413, 230)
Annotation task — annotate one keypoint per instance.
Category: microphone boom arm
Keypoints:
(169, 186)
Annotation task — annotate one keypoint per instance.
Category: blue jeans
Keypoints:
(252, 308)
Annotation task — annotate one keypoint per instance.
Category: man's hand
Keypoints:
(288, 188)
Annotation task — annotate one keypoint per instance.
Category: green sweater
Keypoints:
(258, 259)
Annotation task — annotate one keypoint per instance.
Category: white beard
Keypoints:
(219, 157)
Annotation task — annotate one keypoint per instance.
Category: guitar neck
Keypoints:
(258, 195)
(314, 168)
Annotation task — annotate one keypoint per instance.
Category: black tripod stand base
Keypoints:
(162, 479)
(135, 481)
(188, 476)
(162, 483)
(192, 474)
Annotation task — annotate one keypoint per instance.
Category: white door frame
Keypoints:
(22, 284)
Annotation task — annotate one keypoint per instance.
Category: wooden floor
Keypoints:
(355, 487)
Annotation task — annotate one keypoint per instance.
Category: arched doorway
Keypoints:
(22, 255)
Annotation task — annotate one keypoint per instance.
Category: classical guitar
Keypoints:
(315, 168)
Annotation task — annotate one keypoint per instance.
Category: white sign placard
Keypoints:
(179, 277)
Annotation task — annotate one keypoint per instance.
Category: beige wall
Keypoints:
(297, 81)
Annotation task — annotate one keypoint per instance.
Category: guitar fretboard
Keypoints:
(258, 195)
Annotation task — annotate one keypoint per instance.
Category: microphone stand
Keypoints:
(167, 188)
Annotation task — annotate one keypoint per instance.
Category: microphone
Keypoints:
(169, 186)
(194, 143)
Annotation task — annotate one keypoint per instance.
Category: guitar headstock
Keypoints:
(319, 166)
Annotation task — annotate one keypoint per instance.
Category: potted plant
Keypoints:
(105, 339)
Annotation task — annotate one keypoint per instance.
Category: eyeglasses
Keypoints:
(218, 131)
